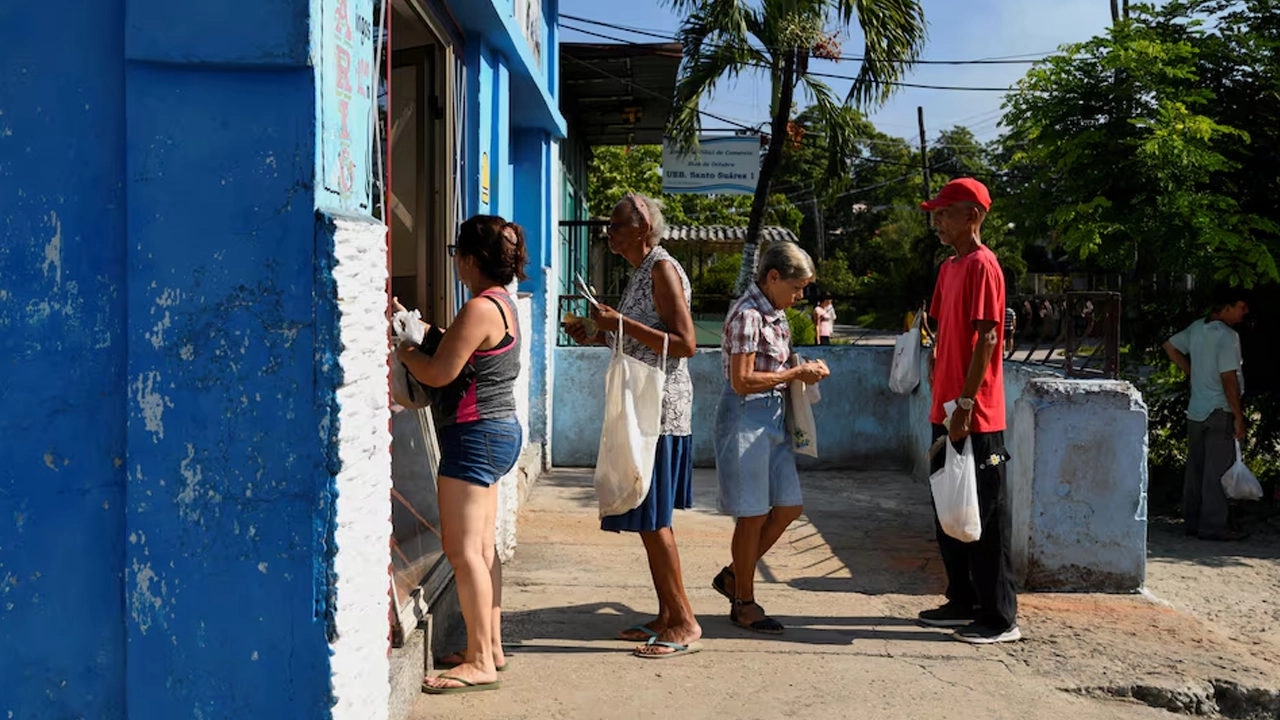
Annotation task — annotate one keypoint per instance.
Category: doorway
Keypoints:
(419, 148)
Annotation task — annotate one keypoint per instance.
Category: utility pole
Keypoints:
(924, 160)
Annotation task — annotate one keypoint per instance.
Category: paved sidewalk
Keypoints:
(847, 581)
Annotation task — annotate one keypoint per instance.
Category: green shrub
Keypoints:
(803, 331)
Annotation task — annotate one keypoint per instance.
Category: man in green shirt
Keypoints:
(1208, 352)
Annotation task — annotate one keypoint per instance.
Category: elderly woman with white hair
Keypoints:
(656, 310)
(755, 465)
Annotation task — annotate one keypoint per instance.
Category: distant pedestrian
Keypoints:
(969, 305)
(755, 465)
(824, 317)
(1010, 327)
(1208, 352)
(655, 311)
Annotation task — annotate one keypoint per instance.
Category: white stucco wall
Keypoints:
(509, 486)
(359, 662)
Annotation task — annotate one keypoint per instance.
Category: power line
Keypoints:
(1011, 60)
(660, 95)
(893, 83)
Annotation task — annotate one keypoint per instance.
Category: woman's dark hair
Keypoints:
(496, 245)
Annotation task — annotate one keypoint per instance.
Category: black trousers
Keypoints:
(981, 573)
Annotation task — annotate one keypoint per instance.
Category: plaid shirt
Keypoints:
(754, 325)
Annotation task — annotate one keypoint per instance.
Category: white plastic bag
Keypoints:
(955, 494)
(800, 422)
(1238, 481)
(629, 435)
(904, 374)
(406, 390)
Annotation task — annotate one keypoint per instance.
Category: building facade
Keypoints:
(198, 242)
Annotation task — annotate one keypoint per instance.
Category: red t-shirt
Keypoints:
(969, 288)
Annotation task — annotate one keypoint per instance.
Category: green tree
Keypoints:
(1117, 159)
(725, 38)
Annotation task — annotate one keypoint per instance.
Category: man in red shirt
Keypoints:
(969, 307)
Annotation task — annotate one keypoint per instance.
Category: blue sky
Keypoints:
(968, 30)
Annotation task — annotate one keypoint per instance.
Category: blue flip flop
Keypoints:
(638, 628)
(677, 649)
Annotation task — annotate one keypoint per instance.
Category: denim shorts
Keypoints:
(480, 452)
(755, 465)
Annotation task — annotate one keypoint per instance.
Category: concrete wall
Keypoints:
(1079, 488)
(860, 422)
(62, 360)
(203, 419)
(359, 641)
(1077, 476)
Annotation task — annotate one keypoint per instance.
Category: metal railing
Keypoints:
(1076, 331)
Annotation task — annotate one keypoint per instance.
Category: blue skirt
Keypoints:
(672, 489)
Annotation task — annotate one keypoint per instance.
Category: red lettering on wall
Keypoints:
(342, 21)
(342, 110)
(344, 69)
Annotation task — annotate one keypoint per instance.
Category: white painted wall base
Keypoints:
(359, 661)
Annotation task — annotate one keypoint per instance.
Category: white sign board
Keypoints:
(725, 166)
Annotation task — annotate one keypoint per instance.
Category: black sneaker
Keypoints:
(983, 635)
(949, 615)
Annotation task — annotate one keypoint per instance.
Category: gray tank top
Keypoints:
(492, 393)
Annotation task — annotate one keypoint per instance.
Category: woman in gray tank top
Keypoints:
(479, 442)
(656, 308)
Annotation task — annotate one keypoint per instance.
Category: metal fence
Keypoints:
(1078, 332)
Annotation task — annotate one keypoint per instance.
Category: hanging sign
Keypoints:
(342, 42)
(723, 166)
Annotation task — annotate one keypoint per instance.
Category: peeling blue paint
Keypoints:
(62, 376)
(167, 501)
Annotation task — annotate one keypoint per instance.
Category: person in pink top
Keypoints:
(824, 316)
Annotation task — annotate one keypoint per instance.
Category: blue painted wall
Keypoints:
(1079, 492)
(512, 121)
(62, 360)
(860, 422)
(166, 504)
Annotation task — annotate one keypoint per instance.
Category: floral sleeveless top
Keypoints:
(637, 304)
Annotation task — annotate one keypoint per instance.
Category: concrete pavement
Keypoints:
(847, 580)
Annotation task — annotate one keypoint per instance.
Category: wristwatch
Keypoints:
(965, 403)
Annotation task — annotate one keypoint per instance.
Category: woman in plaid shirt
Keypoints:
(755, 466)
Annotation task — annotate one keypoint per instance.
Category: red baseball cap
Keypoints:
(959, 190)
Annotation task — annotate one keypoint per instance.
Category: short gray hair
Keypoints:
(789, 259)
(653, 206)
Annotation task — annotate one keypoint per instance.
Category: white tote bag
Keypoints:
(800, 423)
(633, 391)
(1238, 482)
(955, 494)
(904, 374)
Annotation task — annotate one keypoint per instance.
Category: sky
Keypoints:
(958, 30)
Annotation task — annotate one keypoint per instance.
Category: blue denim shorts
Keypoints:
(480, 452)
(755, 465)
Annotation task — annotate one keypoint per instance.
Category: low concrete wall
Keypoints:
(1079, 487)
(860, 422)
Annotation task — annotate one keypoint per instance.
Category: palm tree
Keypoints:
(724, 38)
